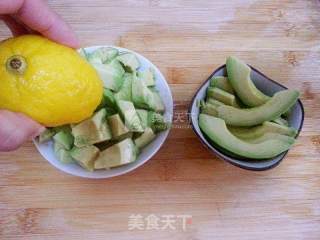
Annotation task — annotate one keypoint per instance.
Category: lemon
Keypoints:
(49, 82)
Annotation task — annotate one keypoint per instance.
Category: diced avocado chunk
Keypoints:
(93, 130)
(130, 116)
(65, 128)
(117, 155)
(125, 92)
(102, 55)
(129, 61)
(111, 74)
(272, 109)
(62, 154)
(143, 97)
(222, 83)
(118, 129)
(157, 122)
(216, 130)
(145, 138)
(239, 77)
(143, 115)
(147, 76)
(222, 96)
(158, 105)
(85, 156)
(258, 131)
(208, 108)
(46, 135)
(64, 138)
(109, 99)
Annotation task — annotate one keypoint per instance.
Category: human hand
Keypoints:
(23, 17)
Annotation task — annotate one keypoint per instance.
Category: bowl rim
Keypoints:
(91, 175)
(216, 151)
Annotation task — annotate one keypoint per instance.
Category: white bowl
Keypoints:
(46, 149)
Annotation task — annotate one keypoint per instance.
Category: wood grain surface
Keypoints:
(187, 40)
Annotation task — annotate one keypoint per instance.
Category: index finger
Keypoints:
(37, 15)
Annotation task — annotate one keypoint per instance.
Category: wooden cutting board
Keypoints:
(187, 40)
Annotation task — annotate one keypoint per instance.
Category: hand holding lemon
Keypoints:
(26, 75)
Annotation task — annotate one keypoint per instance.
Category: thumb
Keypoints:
(15, 129)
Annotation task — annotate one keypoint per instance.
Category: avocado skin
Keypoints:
(239, 78)
(217, 131)
(272, 109)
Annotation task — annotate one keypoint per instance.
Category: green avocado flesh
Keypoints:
(129, 61)
(272, 109)
(130, 116)
(119, 154)
(222, 96)
(217, 131)
(239, 77)
(258, 131)
(214, 102)
(143, 97)
(147, 76)
(93, 130)
(85, 156)
(269, 136)
(222, 83)
(118, 129)
(145, 138)
(102, 55)
(209, 108)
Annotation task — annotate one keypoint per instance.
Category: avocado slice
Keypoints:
(117, 155)
(46, 135)
(269, 136)
(222, 83)
(92, 130)
(85, 156)
(157, 122)
(258, 131)
(130, 116)
(125, 90)
(272, 109)
(147, 76)
(118, 129)
(129, 61)
(281, 121)
(143, 115)
(111, 74)
(208, 108)
(214, 102)
(102, 55)
(239, 77)
(143, 97)
(216, 130)
(222, 96)
(65, 139)
(145, 138)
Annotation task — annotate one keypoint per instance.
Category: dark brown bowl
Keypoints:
(267, 86)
